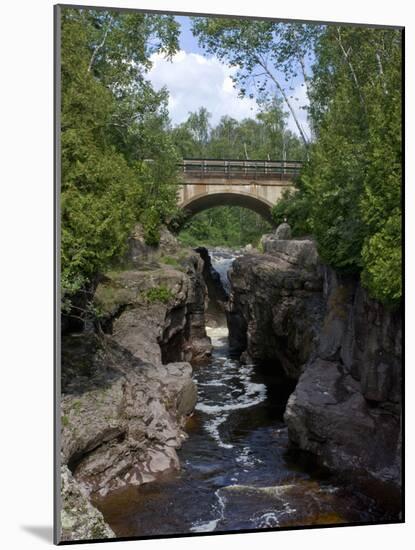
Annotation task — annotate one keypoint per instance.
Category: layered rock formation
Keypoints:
(218, 297)
(212, 278)
(122, 418)
(346, 406)
(289, 310)
(157, 313)
(276, 307)
(155, 308)
(127, 388)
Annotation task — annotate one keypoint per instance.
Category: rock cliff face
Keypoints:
(157, 313)
(217, 296)
(127, 388)
(212, 278)
(276, 306)
(156, 307)
(346, 406)
(344, 349)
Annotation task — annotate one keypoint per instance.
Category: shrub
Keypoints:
(293, 207)
(158, 294)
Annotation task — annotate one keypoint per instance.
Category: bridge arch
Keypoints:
(254, 184)
(204, 201)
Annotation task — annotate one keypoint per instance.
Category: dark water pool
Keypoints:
(237, 471)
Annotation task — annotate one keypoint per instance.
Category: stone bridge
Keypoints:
(257, 185)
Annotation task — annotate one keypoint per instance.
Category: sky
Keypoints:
(196, 79)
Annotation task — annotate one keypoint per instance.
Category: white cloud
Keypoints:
(196, 81)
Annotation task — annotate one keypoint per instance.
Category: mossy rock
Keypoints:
(109, 297)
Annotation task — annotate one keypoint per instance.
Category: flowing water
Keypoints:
(237, 470)
(222, 260)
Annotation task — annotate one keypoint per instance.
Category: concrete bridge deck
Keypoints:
(257, 185)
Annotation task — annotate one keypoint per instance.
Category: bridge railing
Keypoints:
(241, 168)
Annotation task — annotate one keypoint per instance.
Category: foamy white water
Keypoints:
(219, 509)
(234, 387)
(222, 262)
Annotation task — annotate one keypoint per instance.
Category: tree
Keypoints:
(111, 121)
(352, 182)
(192, 136)
(265, 137)
(267, 55)
(231, 226)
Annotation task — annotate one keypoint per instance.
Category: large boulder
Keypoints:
(328, 416)
(157, 311)
(283, 231)
(122, 419)
(301, 253)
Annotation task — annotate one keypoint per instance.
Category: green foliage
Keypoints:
(294, 208)
(266, 55)
(333, 183)
(170, 260)
(151, 224)
(65, 420)
(111, 121)
(159, 293)
(349, 195)
(263, 138)
(354, 177)
(382, 258)
(231, 226)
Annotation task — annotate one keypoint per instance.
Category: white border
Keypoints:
(26, 229)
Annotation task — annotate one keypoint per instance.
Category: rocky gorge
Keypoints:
(342, 349)
(129, 388)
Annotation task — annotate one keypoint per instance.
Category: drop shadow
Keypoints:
(42, 532)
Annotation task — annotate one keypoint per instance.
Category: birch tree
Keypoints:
(269, 58)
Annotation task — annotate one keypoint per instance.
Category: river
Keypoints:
(238, 471)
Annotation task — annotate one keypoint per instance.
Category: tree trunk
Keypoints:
(287, 101)
(100, 45)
